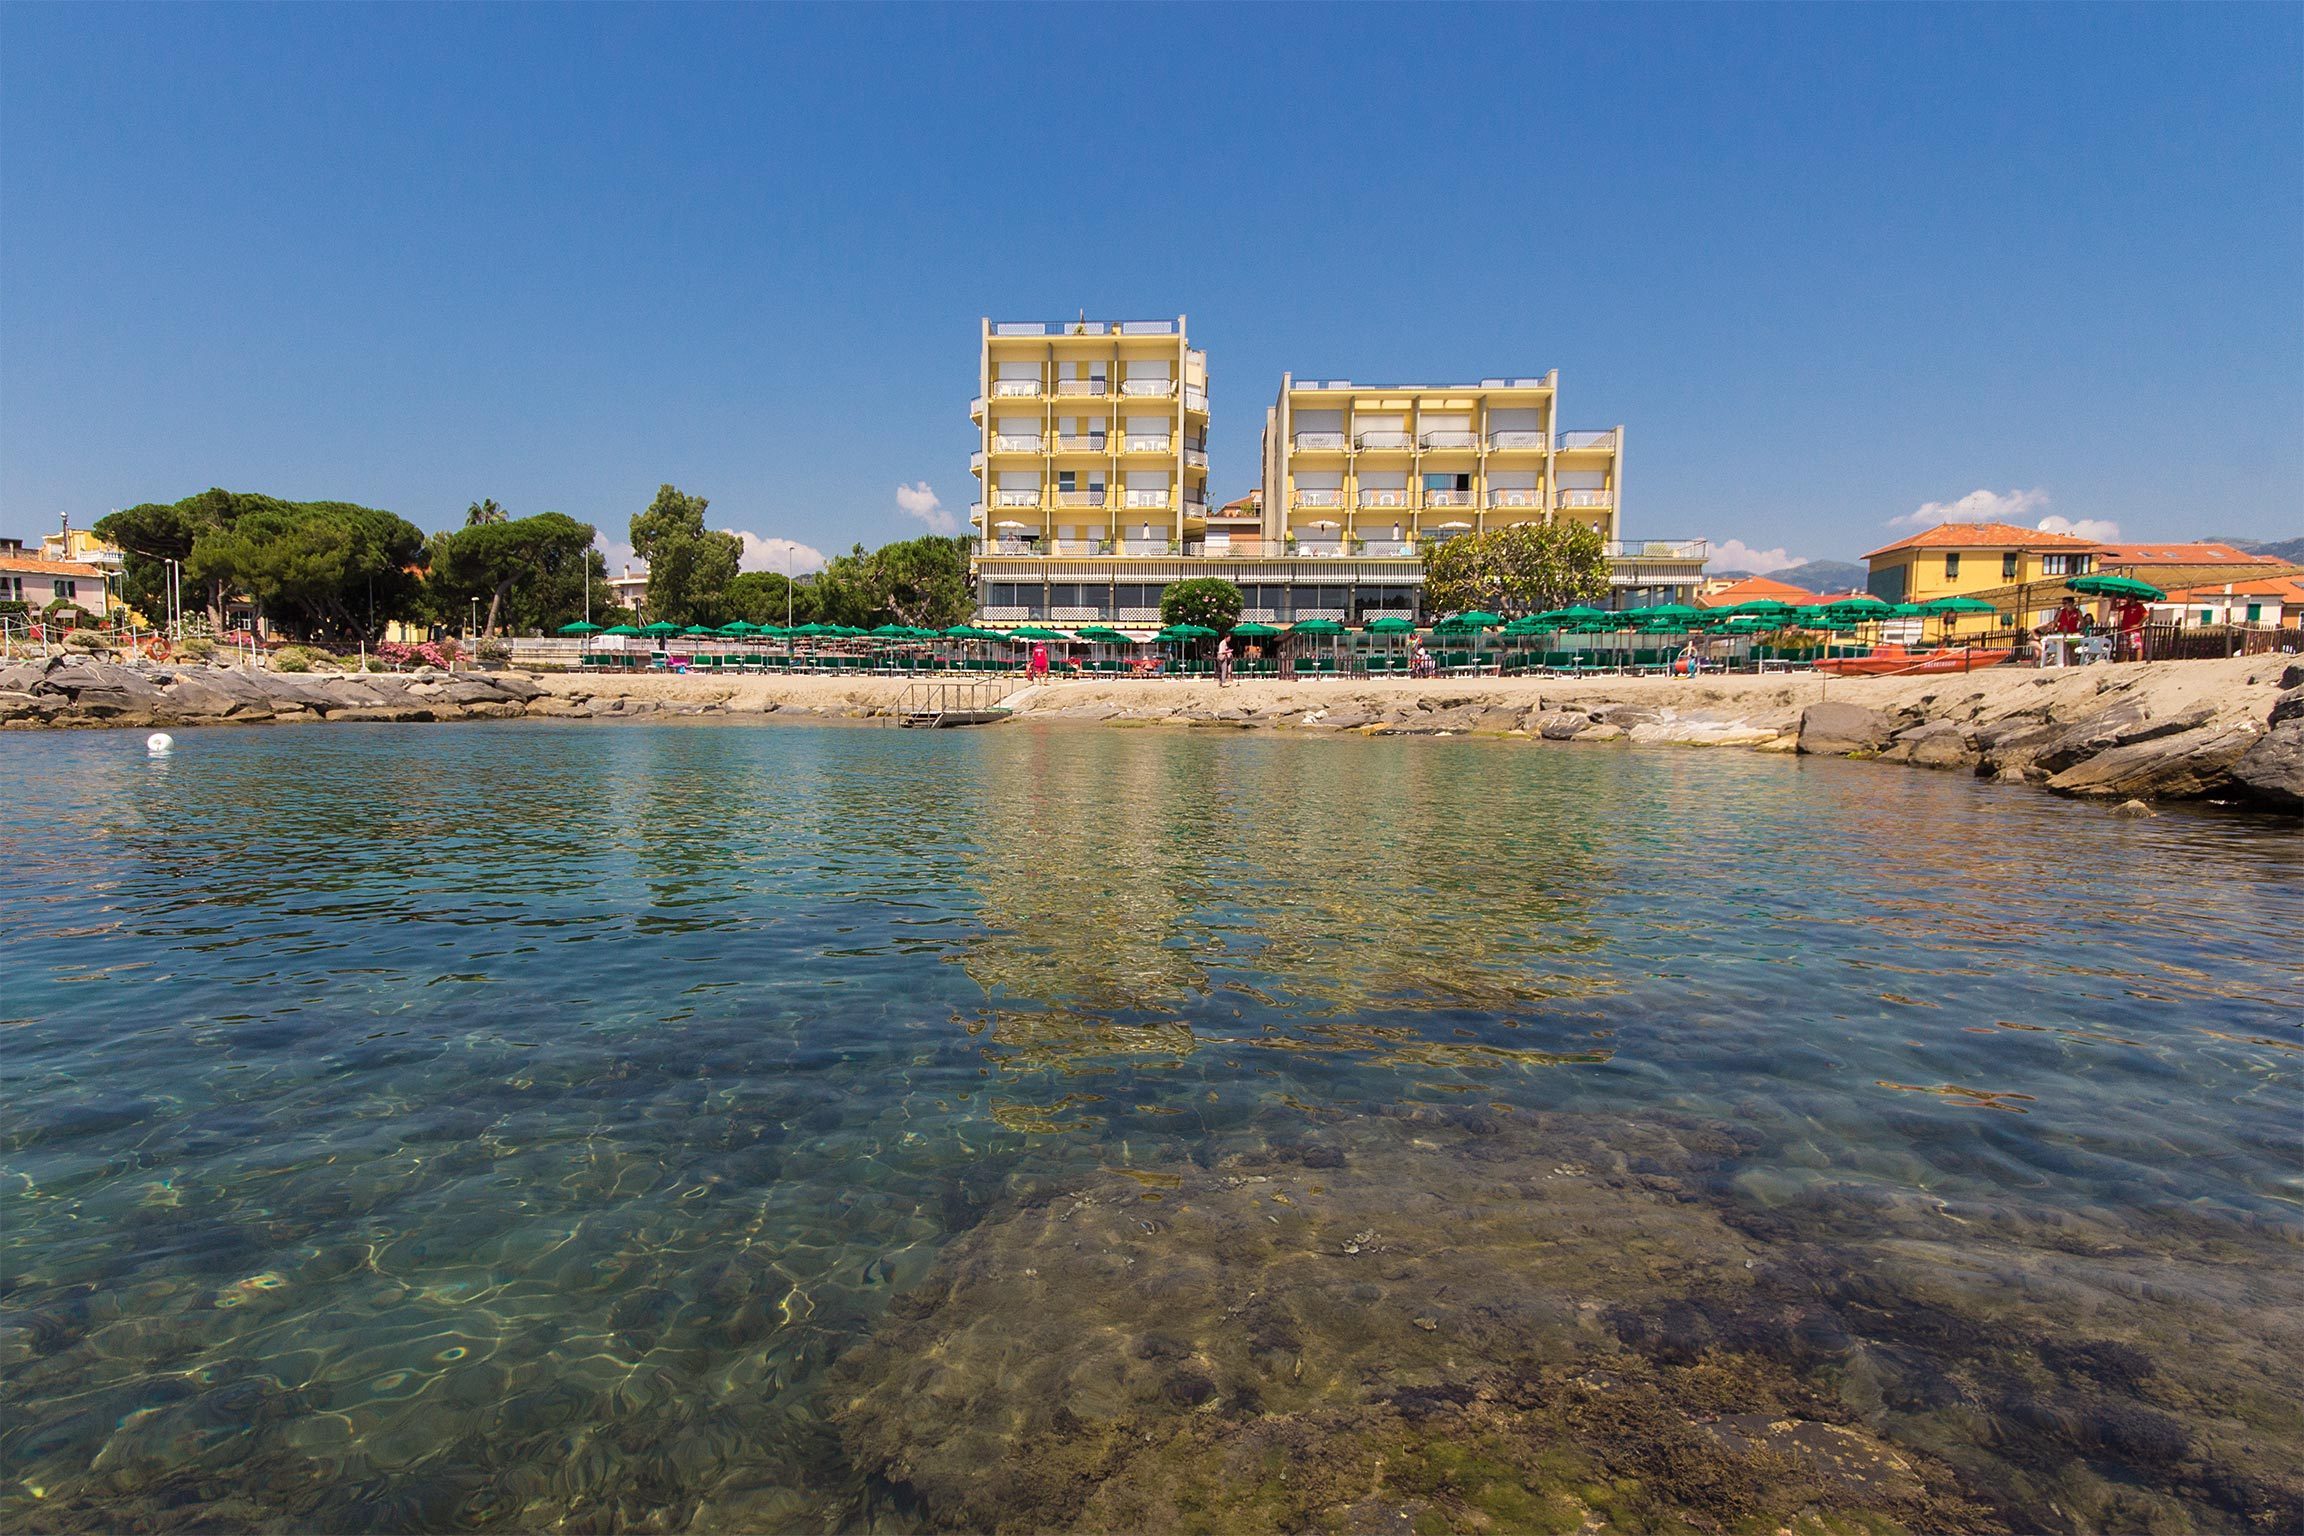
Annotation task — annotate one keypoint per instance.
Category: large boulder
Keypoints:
(106, 690)
(2292, 675)
(2289, 706)
(1562, 726)
(1839, 730)
(2179, 767)
(2271, 771)
(1938, 744)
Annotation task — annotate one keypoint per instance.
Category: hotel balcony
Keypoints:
(1080, 498)
(1147, 445)
(1515, 500)
(1018, 444)
(1381, 442)
(1322, 498)
(1321, 442)
(1392, 500)
(1438, 440)
(1090, 389)
(1148, 389)
(1385, 548)
(1516, 442)
(1156, 547)
(1158, 501)
(1573, 442)
(1016, 499)
(976, 409)
(1196, 400)
(1587, 499)
(1447, 498)
(1195, 458)
(1195, 508)
(1015, 389)
(1094, 443)
(976, 513)
(976, 462)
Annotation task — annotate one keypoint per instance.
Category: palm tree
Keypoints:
(485, 511)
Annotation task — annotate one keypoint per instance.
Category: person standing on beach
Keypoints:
(1224, 661)
(1037, 668)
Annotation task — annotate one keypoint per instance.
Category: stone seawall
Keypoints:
(2228, 730)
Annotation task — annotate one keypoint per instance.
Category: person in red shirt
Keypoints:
(2131, 621)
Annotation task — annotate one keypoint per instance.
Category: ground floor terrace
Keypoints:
(1016, 585)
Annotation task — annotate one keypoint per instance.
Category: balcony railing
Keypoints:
(1150, 547)
(1147, 444)
(1320, 442)
(1074, 443)
(1389, 548)
(1159, 499)
(976, 408)
(1656, 549)
(1195, 508)
(1447, 498)
(1004, 444)
(1368, 440)
(1510, 442)
(1195, 399)
(1015, 389)
(1011, 546)
(1319, 498)
(1092, 387)
(1571, 440)
(1587, 498)
(1093, 498)
(1384, 498)
(976, 462)
(976, 512)
(1518, 499)
(1196, 458)
(1432, 440)
(1016, 498)
(1148, 388)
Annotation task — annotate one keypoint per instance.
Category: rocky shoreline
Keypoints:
(2229, 731)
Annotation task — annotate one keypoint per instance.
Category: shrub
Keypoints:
(376, 664)
(86, 640)
(196, 647)
(432, 653)
(493, 650)
(292, 658)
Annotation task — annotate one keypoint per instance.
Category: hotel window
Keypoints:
(2063, 565)
(2008, 566)
(1952, 566)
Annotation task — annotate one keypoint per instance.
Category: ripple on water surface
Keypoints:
(456, 1127)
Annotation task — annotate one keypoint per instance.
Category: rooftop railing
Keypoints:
(1569, 440)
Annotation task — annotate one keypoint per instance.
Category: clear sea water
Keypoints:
(517, 1125)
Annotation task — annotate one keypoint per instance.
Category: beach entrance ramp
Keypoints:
(940, 705)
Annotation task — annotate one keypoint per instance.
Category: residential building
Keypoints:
(629, 590)
(2021, 571)
(36, 580)
(1094, 501)
(2270, 602)
(1752, 589)
(2185, 564)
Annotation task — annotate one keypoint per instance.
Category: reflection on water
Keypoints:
(469, 1126)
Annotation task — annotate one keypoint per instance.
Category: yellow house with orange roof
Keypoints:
(2020, 571)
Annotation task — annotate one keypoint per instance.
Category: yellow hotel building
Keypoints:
(1093, 462)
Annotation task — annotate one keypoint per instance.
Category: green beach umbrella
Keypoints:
(658, 631)
(1945, 605)
(1760, 608)
(1478, 618)
(1391, 624)
(1252, 630)
(620, 629)
(737, 629)
(699, 629)
(961, 632)
(1186, 632)
(1675, 611)
(1106, 634)
(1904, 611)
(1316, 627)
(2116, 586)
(1036, 632)
(579, 628)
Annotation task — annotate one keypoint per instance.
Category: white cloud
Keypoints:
(2083, 527)
(1975, 507)
(618, 555)
(786, 556)
(1736, 555)
(917, 500)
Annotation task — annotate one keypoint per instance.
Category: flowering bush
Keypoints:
(431, 653)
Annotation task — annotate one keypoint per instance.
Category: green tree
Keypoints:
(760, 597)
(1524, 568)
(530, 571)
(689, 566)
(313, 568)
(1210, 601)
(153, 533)
(485, 511)
(922, 582)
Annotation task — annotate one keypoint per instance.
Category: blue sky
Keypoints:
(1830, 266)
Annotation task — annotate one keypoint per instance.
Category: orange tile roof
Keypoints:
(2183, 554)
(1754, 589)
(1985, 536)
(34, 565)
(2289, 589)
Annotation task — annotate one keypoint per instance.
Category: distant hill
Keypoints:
(2291, 550)
(1822, 575)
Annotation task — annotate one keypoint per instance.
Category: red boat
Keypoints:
(1900, 661)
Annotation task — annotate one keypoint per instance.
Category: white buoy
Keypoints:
(159, 743)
